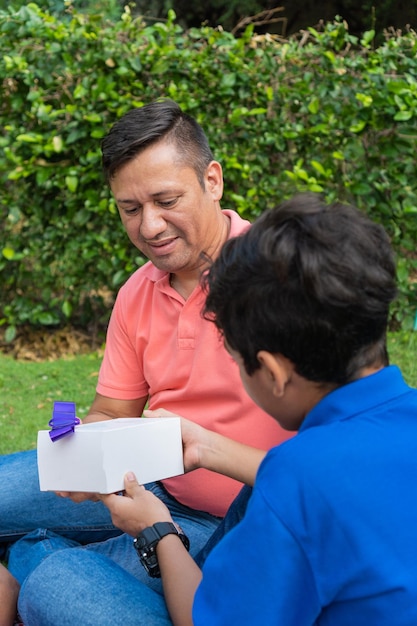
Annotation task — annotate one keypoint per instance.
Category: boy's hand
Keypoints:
(137, 509)
(194, 438)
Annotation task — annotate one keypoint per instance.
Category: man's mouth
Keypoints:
(162, 247)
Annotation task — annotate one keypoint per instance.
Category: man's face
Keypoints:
(166, 213)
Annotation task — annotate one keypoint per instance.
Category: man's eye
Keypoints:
(167, 204)
(131, 211)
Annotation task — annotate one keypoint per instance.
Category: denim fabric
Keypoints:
(68, 587)
(79, 587)
(28, 552)
(234, 515)
(23, 508)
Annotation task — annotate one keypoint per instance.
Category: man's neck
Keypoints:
(185, 283)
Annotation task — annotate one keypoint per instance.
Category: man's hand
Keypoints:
(78, 496)
(137, 509)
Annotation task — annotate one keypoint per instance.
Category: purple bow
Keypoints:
(63, 420)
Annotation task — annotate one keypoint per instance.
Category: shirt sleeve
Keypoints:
(121, 373)
(258, 574)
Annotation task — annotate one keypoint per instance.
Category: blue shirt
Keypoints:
(330, 533)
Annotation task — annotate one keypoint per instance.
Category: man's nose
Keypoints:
(152, 223)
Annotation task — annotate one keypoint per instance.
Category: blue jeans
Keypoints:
(99, 584)
(233, 516)
(23, 508)
(26, 553)
(88, 589)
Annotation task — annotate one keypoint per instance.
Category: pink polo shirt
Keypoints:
(159, 345)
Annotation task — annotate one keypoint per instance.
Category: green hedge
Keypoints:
(321, 111)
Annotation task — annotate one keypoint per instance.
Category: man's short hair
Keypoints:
(162, 120)
(311, 281)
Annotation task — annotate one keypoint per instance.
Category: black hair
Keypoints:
(162, 120)
(311, 281)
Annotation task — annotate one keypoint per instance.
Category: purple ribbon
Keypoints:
(63, 420)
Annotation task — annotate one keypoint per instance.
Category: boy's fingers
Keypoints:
(131, 484)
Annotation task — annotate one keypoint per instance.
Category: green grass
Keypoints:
(28, 390)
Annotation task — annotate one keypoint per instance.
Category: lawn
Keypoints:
(28, 389)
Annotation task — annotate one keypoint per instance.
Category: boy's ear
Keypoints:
(277, 369)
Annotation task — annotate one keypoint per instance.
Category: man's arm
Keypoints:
(104, 408)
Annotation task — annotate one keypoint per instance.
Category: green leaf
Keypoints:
(80, 92)
(29, 138)
(403, 116)
(8, 253)
(318, 167)
(365, 99)
(357, 127)
(72, 183)
(314, 106)
(367, 37)
(10, 333)
(67, 308)
(47, 319)
(57, 143)
(228, 80)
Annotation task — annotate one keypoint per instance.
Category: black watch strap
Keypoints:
(146, 542)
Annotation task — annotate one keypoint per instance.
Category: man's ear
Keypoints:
(214, 180)
(277, 369)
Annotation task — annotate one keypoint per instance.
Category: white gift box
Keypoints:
(97, 455)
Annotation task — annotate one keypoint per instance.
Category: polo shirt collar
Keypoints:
(360, 396)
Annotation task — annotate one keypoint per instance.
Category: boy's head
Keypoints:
(310, 281)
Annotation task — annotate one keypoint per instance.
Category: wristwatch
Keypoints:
(146, 542)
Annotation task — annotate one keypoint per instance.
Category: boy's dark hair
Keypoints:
(310, 281)
(141, 127)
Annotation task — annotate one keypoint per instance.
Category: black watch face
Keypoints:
(140, 542)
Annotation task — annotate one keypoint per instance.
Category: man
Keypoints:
(159, 349)
(329, 535)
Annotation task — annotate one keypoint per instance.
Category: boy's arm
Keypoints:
(180, 578)
(139, 509)
(213, 451)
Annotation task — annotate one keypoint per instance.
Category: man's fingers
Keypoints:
(76, 496)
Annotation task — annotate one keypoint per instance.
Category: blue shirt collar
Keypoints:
(357, 397)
